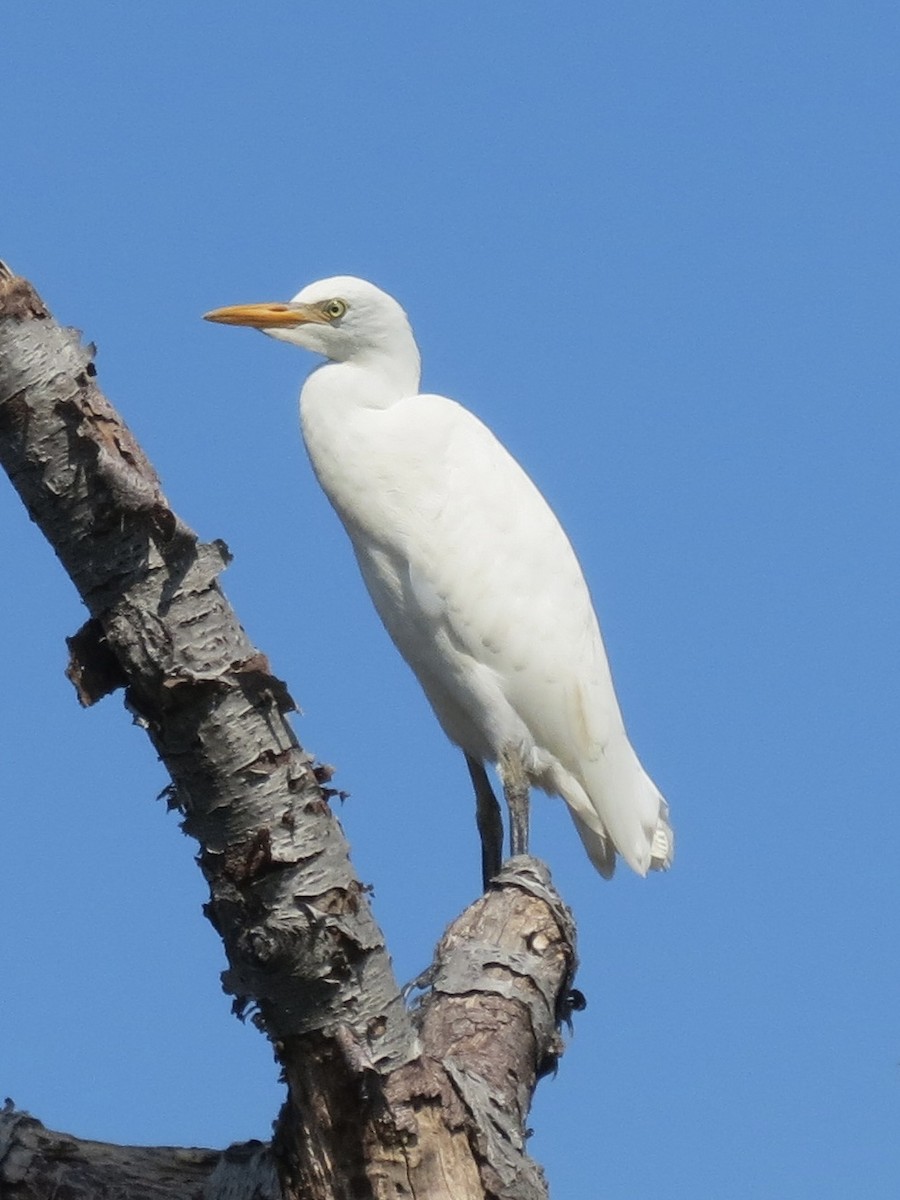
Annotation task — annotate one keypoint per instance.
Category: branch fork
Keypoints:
(382, 1100)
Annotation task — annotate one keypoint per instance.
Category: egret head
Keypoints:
(343, 318)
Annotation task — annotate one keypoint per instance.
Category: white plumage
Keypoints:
(471, 573)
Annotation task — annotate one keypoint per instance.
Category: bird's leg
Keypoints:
(489, 819)
(515, 789)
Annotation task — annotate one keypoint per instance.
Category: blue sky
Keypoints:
(654, 246)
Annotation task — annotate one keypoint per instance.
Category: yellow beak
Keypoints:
(267, 316)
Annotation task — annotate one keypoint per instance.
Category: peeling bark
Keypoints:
(382, 1101)
(36, 1163)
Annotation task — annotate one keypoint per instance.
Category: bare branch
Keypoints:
(379, 1102)
(36, 1163)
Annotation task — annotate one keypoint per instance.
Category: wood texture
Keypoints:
(383, 1101)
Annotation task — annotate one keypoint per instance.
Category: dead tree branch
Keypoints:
(381, 1101)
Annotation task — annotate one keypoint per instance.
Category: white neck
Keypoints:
(368, 380)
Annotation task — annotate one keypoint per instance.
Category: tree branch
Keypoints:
(380, 1101)
(36, 1163)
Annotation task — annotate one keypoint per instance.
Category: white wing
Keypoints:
(479, 587)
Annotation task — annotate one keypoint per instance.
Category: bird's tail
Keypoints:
(627, 815)
(600, 849)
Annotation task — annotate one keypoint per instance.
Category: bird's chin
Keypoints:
(294, 335)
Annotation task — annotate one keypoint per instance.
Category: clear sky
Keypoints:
(654, 246)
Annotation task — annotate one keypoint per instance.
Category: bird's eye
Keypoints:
(335, 309)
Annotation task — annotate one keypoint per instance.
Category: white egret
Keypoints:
(472, 576)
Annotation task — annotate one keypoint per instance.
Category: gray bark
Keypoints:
(37, 1163)
(381, 1101)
